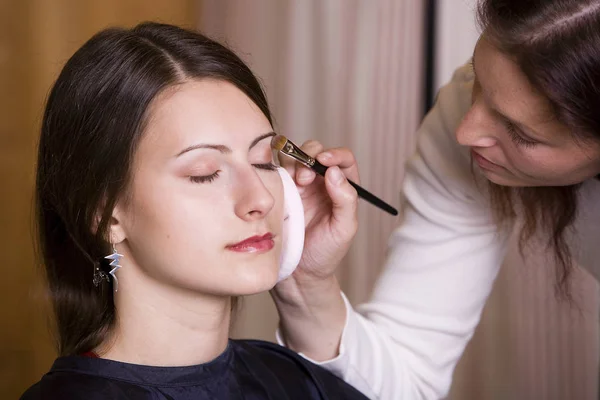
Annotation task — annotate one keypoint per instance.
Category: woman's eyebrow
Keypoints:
(222, 148)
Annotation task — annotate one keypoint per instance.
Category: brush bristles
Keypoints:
(278, 142)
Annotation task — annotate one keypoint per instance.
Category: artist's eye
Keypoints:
(516, 137)
(205, 179)
(268, 167)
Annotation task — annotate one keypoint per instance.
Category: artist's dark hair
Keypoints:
(92, 125)
(556, 44)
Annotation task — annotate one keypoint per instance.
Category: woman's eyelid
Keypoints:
(202, 171)
(264, 158)
(204, 178)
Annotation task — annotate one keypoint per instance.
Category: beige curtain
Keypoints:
(530, 345)
(36, 38)
(349, 73)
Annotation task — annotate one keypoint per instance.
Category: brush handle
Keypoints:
(362, 193)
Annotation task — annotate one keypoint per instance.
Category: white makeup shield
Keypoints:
(293, 227)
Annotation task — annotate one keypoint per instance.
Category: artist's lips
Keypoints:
(254, 244)
(484, 163)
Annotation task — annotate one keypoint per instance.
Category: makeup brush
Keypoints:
(285, 146)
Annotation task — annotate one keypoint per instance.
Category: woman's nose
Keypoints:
(253, 199)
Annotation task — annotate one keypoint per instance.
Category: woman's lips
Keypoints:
(254, 244)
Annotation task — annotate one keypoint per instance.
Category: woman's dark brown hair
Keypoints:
(556, 43)
(93, 121)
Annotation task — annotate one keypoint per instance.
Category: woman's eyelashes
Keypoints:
(210, 178)
(268, 166)
(205, 178)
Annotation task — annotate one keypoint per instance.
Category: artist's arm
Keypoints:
(405, 342)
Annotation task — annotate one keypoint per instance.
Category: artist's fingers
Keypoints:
(303, 176)
(344, 204)
(344, 159)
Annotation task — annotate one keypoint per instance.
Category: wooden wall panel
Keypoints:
(36, 38)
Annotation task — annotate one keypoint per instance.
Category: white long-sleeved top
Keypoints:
(442, 262)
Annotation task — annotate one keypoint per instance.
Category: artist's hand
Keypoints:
(311, 309)
(330, 209)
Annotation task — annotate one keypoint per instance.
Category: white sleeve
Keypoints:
(442, 262)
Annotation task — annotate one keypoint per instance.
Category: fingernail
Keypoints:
(336, 176)
(324, 156)
(304, 175)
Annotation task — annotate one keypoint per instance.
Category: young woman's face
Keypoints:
(205, 207)
(511, 131)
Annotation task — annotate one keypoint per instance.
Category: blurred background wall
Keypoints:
(345, 72)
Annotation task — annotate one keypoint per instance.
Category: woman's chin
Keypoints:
(249, 281)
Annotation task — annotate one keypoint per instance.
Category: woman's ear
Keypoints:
(116, 229)
(116, 232)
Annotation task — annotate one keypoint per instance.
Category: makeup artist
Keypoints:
(512, 142)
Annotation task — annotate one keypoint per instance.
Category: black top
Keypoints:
(247, 369)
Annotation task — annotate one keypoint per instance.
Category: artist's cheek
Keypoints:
(518, 159)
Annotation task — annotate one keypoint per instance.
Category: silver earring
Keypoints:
(115, 257)
(99, 276)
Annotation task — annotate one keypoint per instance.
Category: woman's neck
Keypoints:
(161, 325)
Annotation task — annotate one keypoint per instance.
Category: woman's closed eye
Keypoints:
(205, 178)
(210, 178)
(269, 166)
